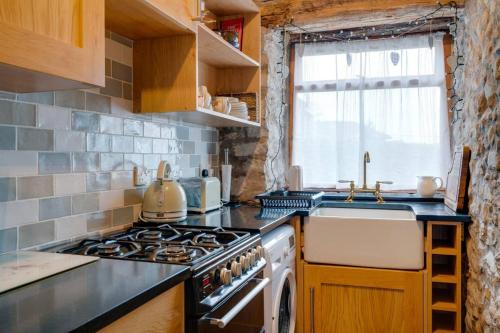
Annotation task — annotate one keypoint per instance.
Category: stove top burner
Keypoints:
(111, 248)
(152, 235)
(206, 239)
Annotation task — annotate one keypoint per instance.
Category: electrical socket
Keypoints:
(141, 176)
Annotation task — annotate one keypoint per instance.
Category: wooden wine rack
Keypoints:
(444, 258)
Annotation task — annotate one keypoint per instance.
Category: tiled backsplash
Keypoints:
(66, 157)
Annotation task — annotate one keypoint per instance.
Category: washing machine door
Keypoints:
(284, 306)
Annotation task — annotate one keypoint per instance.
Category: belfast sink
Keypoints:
(379, 238)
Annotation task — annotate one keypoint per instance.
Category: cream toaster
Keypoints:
(202, 193)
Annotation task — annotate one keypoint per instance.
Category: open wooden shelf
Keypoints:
(443, 322)
(214, 50)
(145, 19)
(231, 7)
(212, 118)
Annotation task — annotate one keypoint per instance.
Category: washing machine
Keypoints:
(280, 295)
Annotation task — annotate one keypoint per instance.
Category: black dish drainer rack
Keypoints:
(290, 199)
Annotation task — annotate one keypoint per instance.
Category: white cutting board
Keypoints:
(23, 267)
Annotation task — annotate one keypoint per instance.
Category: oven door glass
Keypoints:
(243, 312)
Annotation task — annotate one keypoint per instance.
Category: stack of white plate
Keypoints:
(238, 109)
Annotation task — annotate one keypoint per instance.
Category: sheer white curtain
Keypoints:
(386, 96)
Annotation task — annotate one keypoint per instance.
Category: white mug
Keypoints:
(427, 185)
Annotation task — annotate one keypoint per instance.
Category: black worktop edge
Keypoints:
(133, 303)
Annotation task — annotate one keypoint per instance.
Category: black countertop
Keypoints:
(86, 298)
(246, 218)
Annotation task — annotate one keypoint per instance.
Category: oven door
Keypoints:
(243, 312)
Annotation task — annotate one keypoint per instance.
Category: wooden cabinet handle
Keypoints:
(311, 309)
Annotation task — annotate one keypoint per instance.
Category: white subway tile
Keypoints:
(69, 184)
(122, 180)
(68, 141)
(111, 199)
(18, 163)
(14, 213)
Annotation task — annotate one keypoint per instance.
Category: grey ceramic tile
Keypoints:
(133, 196)
(69, 184)
(211, 148)
(38, 97)
(98, 103)
(132, 127)
(182, 133)
(71, 226)
(194, 161)
(14, 113)
(143, 145)
(35, 187)
(174, 147)
(35, 234)
(99, 221)
(122, 144)
(123, 215)
(111, 161)
(7, 189)
(7, 138)
(132, 160)
(122, 40)
(113, 88)
(74, 99)
(8, 240)
(85, 121)
(85, 162)
(85, 203)
(122, 179)
(121, 72)
(127, 90)
(35, 139)
(111, 125)
(54, 207)
(160, 146)
(111, 199)
(18, 163)
(107, 67)
(98, 181)
(209, 136)
(151, 161)
(188, 147)
(98, 142)
(53, 117)
(20, 212)
(183, 161)
(7, 95)
(152, 130)
(69, 141)
(49, 163)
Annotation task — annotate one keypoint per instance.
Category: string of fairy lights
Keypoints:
(435, 20)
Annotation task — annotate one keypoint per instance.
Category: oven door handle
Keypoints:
(222, 322)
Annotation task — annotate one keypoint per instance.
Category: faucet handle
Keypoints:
(385, 182)
(345, 181)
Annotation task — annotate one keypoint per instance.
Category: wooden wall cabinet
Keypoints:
(362, 300)
(162, 314)
(51, 44)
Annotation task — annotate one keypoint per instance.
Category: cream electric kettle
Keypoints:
(165, 199)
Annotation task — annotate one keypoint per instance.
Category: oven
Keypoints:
(228, 296)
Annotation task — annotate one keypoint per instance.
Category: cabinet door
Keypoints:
(358, 300)
(51, 44)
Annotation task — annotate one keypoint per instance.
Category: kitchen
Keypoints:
(231, 165)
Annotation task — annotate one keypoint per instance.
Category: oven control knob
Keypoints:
(226, 276)
(245, 262)
(252, 258)
(236, 268)
(260, 252)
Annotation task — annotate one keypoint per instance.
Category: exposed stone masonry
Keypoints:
(479, 127)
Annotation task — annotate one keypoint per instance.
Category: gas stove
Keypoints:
(160, 243)
(226, 266)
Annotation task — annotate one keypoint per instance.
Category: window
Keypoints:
(384, 96)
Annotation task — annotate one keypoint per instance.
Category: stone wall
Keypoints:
(479, 127)
(260, 155)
